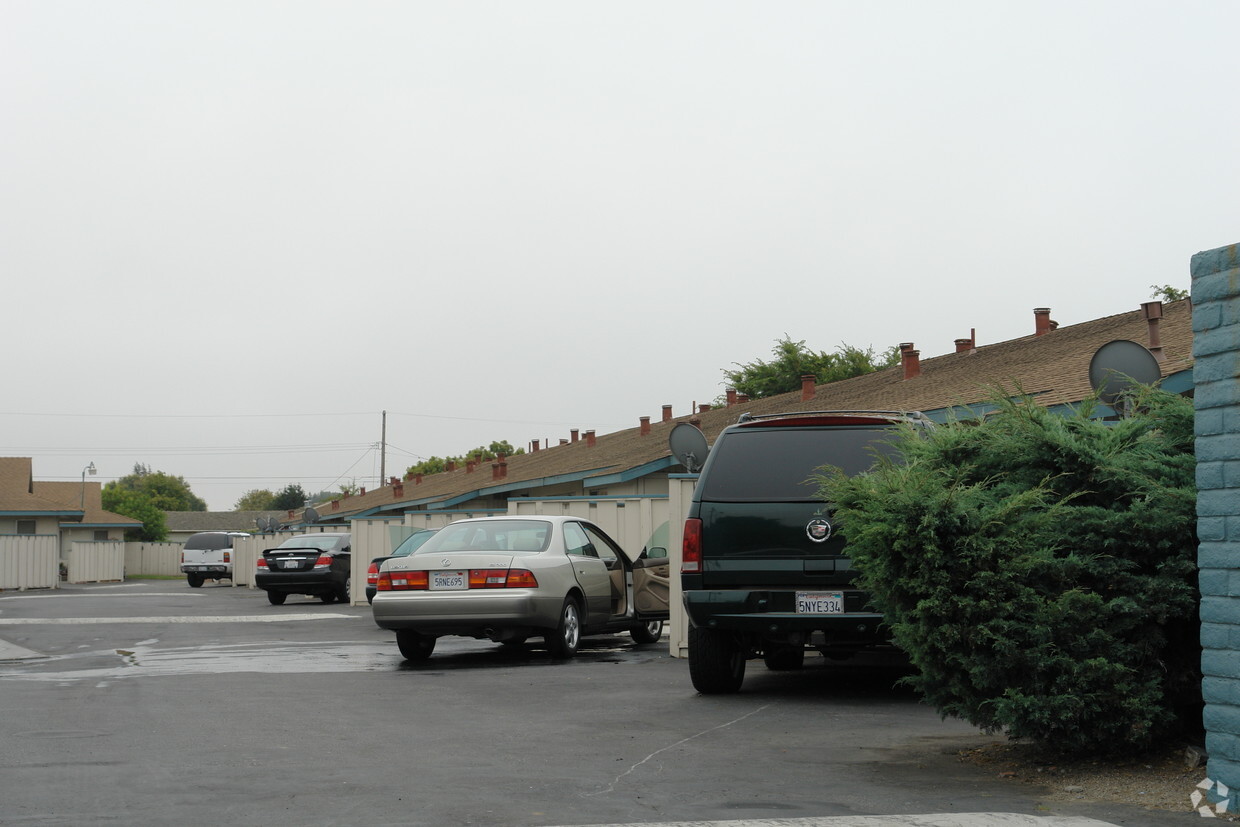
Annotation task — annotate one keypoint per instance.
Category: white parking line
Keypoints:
(71, 621)
(927, 820)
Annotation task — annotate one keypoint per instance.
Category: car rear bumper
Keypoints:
(478, 608)
(310, 582)
(205, 569)
(750, 612)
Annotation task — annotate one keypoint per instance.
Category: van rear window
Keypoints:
(777, 464)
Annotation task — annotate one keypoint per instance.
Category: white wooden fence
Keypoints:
(29, 561)
(153, 558)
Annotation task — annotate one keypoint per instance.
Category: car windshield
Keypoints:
(490, 535)
(412, 543)
(323, 542)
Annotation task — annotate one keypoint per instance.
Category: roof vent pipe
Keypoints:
(1152, 313)
(704, 407)
(667, 413)
(573, 432)
(730, 394)
(807, 386)
(911, 359)
(534, 447)
(1042, 323)
(645, 425)
(590, 441)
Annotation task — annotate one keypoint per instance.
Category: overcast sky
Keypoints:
(232, 233)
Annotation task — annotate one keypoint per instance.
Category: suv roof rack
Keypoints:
(914, 415)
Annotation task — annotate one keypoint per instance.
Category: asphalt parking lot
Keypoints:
(149, 702)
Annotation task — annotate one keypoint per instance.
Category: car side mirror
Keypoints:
(657, 553)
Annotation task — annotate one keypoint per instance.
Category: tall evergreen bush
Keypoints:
(1039, 570)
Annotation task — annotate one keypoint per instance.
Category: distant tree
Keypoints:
(138, 506)
(290, 497)
(165, 492)
(258, 499)
(434, 465)
(1168, 293)
(793, 360)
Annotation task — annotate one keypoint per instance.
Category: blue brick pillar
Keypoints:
(1216, 376)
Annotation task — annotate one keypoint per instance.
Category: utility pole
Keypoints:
(383, 453)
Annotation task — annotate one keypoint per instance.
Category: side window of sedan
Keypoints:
(576, 542)
(603, 547)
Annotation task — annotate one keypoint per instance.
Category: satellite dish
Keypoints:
(310, 515)
(1120, 365)
(270, 523)
(688, 445)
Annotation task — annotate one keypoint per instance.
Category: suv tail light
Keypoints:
(228, 557)
(691, 547)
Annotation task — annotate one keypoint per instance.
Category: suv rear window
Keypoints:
(208, 542)
(776, 464)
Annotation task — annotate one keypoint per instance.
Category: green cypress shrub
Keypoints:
(1040, 570)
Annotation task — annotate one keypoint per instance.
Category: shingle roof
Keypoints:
(195, 521)
(18, 493)
(70, 495)
(1054, 368)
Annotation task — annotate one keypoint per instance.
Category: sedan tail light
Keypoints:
(261, 562)
(324, 562)
(691, 547)
(397, 581)
(372, 574)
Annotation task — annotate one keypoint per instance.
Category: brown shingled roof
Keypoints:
(1054, 368)
(69, 494)
(17, 489)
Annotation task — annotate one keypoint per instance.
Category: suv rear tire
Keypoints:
(716, 661)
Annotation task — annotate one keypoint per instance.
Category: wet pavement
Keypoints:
(149, 702)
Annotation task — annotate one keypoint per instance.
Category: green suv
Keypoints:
(764, 571)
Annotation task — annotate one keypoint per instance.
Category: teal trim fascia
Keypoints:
(636, 472)
(576, 476)
(377, 517)
(117, 526)
(597, 498)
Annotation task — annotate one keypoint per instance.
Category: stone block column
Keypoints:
(1216, 375)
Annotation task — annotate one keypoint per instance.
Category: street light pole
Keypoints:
(89, 469)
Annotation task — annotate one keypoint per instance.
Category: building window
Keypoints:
(25, 526)
(101, 535)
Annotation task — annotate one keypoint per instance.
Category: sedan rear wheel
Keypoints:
(563, 642)
(648, 632)
(328, 597)
(343, 595)
(276, 598)
(413, 645)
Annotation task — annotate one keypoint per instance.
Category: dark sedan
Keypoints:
(312, 564)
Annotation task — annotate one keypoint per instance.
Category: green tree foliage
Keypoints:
(1039, 570)
(794, 360)
(1167, 293)
(291, 496)
(140, 507)
(165, 492)
(434, 465)
(257, 499)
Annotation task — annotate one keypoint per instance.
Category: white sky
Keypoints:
(231, 233)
